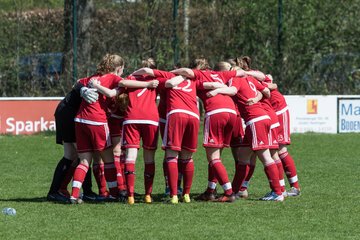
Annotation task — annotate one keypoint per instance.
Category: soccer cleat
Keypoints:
(285, 194)
(272, 196)
(92, 197)
(131, 200)
(186, 198)
(206, 196)
(75, 200)
(148, 199)
(242, 194)
(56, 197)
(122, 196)
(174, 199)
(226, 198)
(64, 192)
(293, 192)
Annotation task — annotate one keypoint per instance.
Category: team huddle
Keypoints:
(102, 121)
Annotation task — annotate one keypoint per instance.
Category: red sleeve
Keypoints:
(257, 84)
(163, 74)
(227, 75)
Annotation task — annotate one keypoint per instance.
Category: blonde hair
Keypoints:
(200, 64)
(223, 66)
(150, 63)
(109, 63)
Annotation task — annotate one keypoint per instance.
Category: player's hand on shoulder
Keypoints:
(90, 95)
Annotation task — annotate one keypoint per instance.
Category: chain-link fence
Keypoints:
(309, 47)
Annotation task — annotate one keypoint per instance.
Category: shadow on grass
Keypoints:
(34, 199)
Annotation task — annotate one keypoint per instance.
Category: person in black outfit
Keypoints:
(65, 135)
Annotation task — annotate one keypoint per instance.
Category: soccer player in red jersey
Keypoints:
(181, 130)
(141, 122)
(91, 128)
(281, 108)
(220, 119)
(256, 137)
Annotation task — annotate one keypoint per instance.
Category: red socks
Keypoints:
(246, 182)
(290, 169)
(79, 176)
(98, 170)
(272, 174)
(241, 172)
(172, 171)
(119, 174)
(187, 170)
(149, 173)
(130, 177)
(221, 175)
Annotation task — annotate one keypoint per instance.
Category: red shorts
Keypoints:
(90, 138)
(218, 129)
(181, 132)
(273, 143)
(237, 133)
(134, 132)
(257, 133)
(115, 126)
(283, 130)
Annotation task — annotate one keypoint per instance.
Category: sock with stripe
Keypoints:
(221, 175)
(98, 170)
(272, 174)
(290, 169)
(79, 176)
(110, 176)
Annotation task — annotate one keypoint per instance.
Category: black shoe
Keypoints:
(123, 196)
(56, 197)
(92, 197)
(206, 196)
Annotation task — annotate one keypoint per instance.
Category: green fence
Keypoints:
(310, 47)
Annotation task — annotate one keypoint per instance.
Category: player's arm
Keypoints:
(94, 83)
(213, 85)
(272, 86)
(230, 91)
(144, 71)
(186, 72)
(256, 99)
(256, 74)
(138, 84)
(266, 92)
(173, 82)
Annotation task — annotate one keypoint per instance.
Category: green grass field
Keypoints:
(328, 170)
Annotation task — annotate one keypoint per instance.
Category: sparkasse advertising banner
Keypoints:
(349, 115)
(27, 116)
(313, 113)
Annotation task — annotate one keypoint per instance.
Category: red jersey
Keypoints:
(219, 101)
(181, 98)
(142, 103)
(247, 88)
(95, 113)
